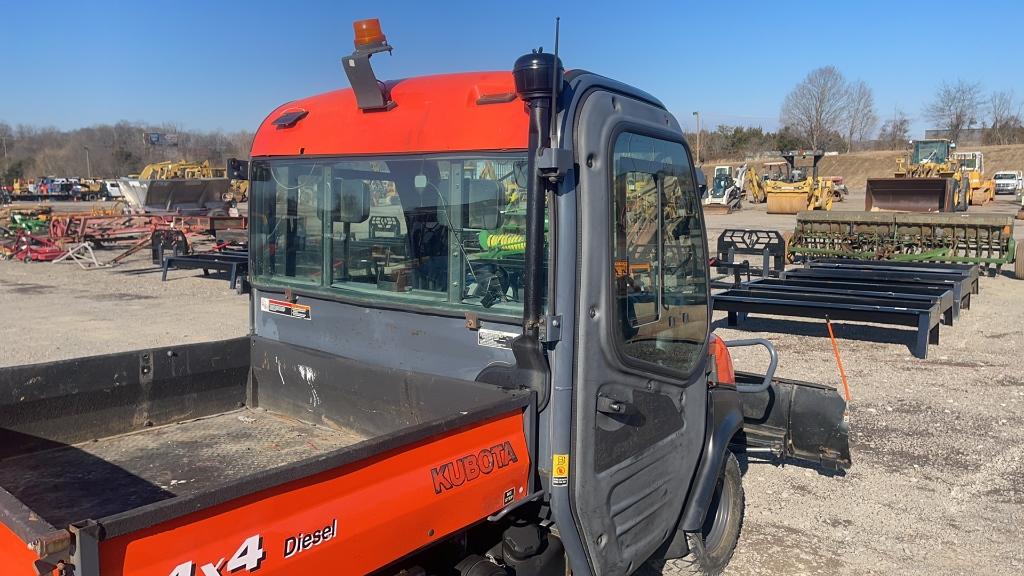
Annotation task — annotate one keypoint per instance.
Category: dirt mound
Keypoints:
(857, 167)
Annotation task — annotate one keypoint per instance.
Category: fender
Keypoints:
(725, 418)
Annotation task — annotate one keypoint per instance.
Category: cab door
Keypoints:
(640, 389)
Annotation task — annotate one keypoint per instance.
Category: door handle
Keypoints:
(608, 405)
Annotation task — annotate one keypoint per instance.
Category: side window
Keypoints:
(660, 254)
(289, 226)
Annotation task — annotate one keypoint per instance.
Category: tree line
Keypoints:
(828, 111)
(108, 150)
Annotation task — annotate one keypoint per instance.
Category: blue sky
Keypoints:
(225, 65)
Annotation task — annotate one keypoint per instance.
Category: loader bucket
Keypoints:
(787, 202)
(196, 195)
(717, 209)
(798, 420)
(910, 195)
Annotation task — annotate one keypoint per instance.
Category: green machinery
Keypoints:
(985, 239)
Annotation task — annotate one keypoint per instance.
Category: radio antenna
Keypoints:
(554, 89)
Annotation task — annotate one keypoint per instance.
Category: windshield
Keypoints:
(722, 183)
(930, 151)
(1005, 176)
(446, 232)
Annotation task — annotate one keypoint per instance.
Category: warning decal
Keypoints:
(559, 469)
(495, 338)
(285, 308)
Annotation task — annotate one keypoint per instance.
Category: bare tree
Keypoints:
(860, 116)
(815, 108)
(1005, 117)
(955, 107)
(895, 131)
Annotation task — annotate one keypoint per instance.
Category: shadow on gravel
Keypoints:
(745, 461)
(843, 330)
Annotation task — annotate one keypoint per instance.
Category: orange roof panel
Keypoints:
(444, 113)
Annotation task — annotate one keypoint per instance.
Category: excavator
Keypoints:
(930, 180)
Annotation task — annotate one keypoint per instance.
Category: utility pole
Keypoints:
(5, 160)
(697, 114)
(88, 166)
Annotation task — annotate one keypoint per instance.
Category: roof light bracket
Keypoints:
(371, 93)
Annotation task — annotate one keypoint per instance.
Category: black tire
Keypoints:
(712, 548)
(1018, 261)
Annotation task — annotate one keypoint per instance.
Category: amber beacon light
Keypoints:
(368, 33)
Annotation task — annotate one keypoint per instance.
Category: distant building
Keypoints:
(967, 135)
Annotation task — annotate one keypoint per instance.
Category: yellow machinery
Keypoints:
(972, 164)
(180, 170)
(795, 190)
(751, 184)
(238, 190)
(930, 180)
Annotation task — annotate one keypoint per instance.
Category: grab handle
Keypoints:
(773, 363)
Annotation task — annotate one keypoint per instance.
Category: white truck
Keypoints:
(1009, 181)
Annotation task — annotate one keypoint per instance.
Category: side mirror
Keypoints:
(238, 169)
(483, 204)
(350, 201)
(519, 173)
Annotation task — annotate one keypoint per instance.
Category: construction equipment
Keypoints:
(180, 187)
(930, 180)
(724, 196)
(381, 414)
(985, 239)
(796, 190)
(972, 164)
(751, 184)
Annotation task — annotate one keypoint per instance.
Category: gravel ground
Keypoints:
(935, 486)
(57, 311)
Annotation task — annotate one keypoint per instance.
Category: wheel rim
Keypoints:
(719, 514)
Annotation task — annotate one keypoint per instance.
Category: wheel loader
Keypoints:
(931, 179)
(416, 397)
(972, 164)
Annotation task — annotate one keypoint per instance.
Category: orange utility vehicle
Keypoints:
(453, 367)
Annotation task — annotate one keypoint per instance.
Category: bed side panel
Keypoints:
(16, 559)
(364, 515)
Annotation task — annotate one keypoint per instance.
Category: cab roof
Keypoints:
(444, 113)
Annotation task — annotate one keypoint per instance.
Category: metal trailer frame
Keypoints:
(897, 288)
(943, 298)
(924, 315)
(970, 271)
(769, 244)
(235, 264)
(962, 287)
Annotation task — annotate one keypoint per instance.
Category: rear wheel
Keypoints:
(712, 548)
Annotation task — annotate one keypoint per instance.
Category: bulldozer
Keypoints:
(931, 179)
(795, 190)
(972, 164)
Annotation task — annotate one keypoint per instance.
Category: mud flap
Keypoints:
(794, 419)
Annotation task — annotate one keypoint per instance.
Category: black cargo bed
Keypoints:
(134, 439)
(113, 475)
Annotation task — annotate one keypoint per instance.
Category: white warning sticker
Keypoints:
(495, 338)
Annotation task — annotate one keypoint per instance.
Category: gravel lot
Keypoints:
(935, 486)
(58, 311)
